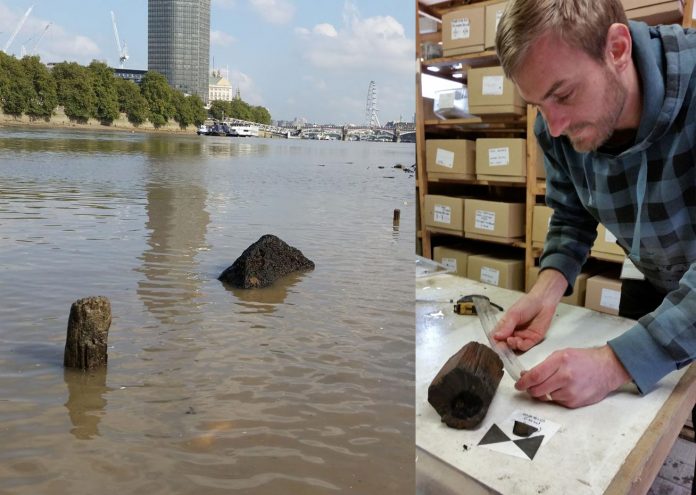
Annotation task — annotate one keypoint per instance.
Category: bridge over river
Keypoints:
(333, 132)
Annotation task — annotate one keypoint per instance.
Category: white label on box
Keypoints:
(610, 299)
(450, 263)
(498, 157)
(444, 158)
(446, 100)
(608, 236)
(490, 275)
(498, 15)
(485, 220)
(493, 85)
(442, 214)
(461, 29)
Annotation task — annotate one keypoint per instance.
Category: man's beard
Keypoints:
(614, 100)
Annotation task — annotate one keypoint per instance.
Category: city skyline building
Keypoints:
(178, 43)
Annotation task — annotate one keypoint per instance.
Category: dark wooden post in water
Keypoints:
(397, 217)
(88, 333)
(464, 388)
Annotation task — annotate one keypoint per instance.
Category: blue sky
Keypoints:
(298, 58)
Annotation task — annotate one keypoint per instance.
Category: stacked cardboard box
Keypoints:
(501, 159)
(605, 246)
(463, 31)
(654, 12)
(493, 14)
(603, 294)
(497, 270)
(444, 213)
(541, 216)
(490, 92)
(454, 158)
(494, 220)
(454, 259)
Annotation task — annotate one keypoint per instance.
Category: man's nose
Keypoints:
(556, 120)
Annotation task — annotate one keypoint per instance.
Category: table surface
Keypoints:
(606, 447)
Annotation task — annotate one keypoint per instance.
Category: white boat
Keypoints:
(244, 131)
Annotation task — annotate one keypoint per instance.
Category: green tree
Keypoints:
(43, 98)
(131, 102)
(75, 91)
(219, 109)
(198, 111)
(104, 84)
(15, 86)
(159, 96)
(260, 115)
(239, 109)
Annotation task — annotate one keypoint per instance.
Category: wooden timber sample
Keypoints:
(464, 388)
(88, 333)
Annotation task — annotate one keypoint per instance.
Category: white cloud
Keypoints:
(376, 42)
(302, 32)
(274, 11)
(247, 88)
(325, 30)
(219, 38)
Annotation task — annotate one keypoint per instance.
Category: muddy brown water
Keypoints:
(305, 387)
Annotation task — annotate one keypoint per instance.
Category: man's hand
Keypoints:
(575, 377)
(526, 322)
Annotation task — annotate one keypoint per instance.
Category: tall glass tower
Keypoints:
(178, 43)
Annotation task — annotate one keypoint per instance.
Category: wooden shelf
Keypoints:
(490, 123)
(447, 66)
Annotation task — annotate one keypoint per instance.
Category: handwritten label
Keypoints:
(444, 158)
(490, 275)
(498, 157)
(484, 220)
(610, 299)
(492, 85)
(442, 214)
(461, 29)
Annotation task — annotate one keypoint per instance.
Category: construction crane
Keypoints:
(33, 48)
(122, 50)
(19, 26)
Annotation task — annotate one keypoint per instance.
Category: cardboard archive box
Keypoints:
(490, 92)
(444, 213)
(605, 246)
(454, 157)
(463, 31)
(577, 298)
(499, 271)
(494, 220)
(654, 12)
(501, 159)
(603, 294)
(454, 259)
(541, 216)
(493, 13)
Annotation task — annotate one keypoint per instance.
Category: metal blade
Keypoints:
(486, 314)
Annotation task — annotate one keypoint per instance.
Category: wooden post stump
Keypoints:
(397, 217)
(88, 333)
(464, 387)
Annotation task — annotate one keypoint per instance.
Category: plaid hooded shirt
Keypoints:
(645, 196)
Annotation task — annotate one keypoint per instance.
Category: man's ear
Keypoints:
(619, 46)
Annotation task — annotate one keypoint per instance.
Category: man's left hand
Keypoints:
(575, 377)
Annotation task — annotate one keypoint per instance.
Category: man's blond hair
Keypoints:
(582, 24)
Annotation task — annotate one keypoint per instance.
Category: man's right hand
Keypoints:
(526, 322)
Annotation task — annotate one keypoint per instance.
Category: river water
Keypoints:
(305, 387)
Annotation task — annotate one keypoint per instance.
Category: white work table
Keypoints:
(615, 446)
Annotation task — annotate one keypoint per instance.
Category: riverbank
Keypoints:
(61, 121)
